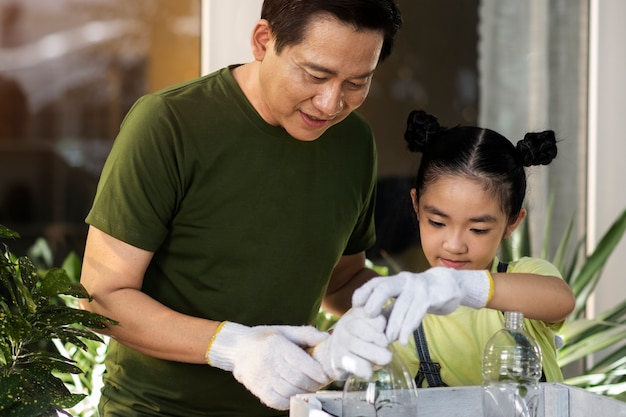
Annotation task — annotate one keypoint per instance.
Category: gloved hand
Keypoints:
(356, 342)
(269, 360)
(439, 290)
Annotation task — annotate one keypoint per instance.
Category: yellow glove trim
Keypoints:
(208, 348)
(491, 287)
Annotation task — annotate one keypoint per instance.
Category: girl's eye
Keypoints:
(435, 223)
(480, 231)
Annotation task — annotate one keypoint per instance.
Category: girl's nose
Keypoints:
(455, 244)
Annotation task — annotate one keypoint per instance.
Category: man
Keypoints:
(229, 209)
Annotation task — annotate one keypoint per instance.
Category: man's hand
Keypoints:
(270, 361)
(356, 342)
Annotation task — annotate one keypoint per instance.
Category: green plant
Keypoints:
(32, 316)
(90, 360)
(605, 334)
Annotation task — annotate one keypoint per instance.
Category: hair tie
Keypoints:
(421, 127)
(537, 148)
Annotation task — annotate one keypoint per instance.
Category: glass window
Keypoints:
(69, 72)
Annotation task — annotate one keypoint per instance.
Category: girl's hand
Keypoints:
(439, 290)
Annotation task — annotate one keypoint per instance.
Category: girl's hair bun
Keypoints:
(420, 128)
(537, 148)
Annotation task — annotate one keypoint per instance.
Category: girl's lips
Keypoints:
(453, 264)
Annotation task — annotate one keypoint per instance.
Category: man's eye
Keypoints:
(356, 86)
(316, 78)
(480, 231)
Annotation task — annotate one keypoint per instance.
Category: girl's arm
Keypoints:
(539, 297)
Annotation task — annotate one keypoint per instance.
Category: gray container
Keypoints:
(558, 400)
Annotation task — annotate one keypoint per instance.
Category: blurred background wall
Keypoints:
(71, 69)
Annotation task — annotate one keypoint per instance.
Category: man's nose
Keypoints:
(329, 101)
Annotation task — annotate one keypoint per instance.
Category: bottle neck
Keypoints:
(513, 319)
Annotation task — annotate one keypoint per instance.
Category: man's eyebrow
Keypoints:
(316, 67)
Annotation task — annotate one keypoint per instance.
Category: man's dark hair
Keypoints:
(288, 19)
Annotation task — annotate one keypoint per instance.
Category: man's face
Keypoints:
(315, 84)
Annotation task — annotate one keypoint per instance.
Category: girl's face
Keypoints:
(461, 224)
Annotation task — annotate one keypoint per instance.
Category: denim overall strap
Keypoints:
(428, 370)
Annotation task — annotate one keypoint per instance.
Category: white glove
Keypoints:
(439, 290)
(357, 341)
(269, 360)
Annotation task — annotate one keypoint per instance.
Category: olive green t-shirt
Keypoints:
(246, 224)
(456, 341)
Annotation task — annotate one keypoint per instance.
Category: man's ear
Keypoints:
(513, 225)
(261, 39)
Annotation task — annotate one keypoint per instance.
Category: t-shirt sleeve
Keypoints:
(364, 234)
(138, 189)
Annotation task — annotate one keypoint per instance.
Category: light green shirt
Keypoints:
(456, 341)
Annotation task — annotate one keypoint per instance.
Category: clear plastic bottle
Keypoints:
(391, 391)
(511, 371)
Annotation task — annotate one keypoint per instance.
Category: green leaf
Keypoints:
(49, 361)
(63, 315)
(595, 262)
(56, 281)
(41, 381)
(28, 272)
(5, 356)
(16, 329)
(8, 233)
(593, 343)
(10, 390)
(571, 272)
(613, 361)
(22, 296)
(18, 397)
(72, 264)
(38, 406)
(77, 290)
(84, 333)
(546, 232)
(616, 314)
(560, 255)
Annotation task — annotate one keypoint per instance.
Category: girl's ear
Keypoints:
(414, 201)
(512, 226)
(260, 40)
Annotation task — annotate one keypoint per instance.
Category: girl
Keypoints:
(468, 197)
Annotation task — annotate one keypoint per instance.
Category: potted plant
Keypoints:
(605, 334)
(32, 317)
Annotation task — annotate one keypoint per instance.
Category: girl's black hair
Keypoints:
(479, 154)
